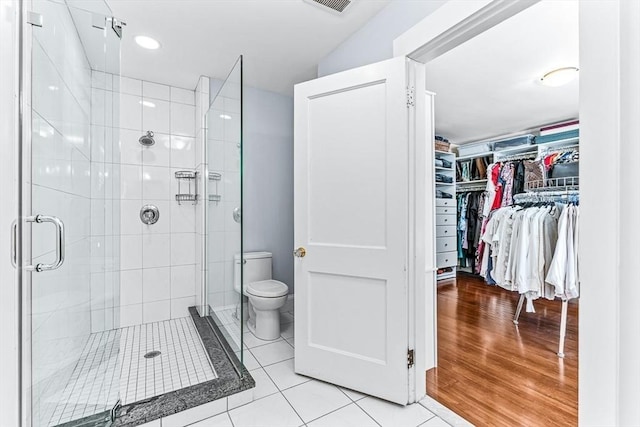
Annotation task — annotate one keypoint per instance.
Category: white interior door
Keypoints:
(352, 217)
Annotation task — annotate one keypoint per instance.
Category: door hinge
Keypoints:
(34, 19)
(410, 357)
(410, 97)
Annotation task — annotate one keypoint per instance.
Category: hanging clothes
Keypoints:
(533, 250)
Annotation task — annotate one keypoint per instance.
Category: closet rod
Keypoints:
(525, 156)
(471, 188)
(561, 149)
(546, 196)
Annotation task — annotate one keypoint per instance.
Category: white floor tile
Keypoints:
(392, 415)
(264, 385)
(285, 318)
(240, 399)
(291, 341)
(198, 413)
(286, 330)
(221, 420)
(352, 394)
(444, 413)
(435, 422)
(272, 353)
(272, 411)
(314, 399)
(251, 341)
(349, 416)
(284, 376)
(248, 360)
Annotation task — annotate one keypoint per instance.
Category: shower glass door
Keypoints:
(224, 208)
(70, 226)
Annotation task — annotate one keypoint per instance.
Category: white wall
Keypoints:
(374, 41)
(157, 262)
(268, 191)
(609, 376)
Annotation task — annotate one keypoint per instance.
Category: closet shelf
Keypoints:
(445, 184)
(561, 142)
(440, 168)
(442, 152)
(477, 181)
(475, 156)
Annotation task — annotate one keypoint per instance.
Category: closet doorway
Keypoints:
(488, 95)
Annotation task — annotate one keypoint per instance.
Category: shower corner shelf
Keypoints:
(186, 174)
(215, 176)
(189, 196)
(186, 198)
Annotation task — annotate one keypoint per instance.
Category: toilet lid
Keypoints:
(267, 289)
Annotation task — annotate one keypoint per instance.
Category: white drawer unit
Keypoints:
(445, 231)
(446, 202)
(446, 244)
(446, 210)
(446, 259)
(446, 219)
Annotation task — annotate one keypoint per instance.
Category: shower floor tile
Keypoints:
(113, 364)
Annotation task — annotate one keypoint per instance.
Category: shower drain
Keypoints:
(152, 354)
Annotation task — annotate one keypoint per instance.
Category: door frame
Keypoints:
(10, 309)
(609, 375)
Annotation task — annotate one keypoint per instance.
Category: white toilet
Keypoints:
(266, 296)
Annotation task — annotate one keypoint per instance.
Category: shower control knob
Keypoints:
(300, 252)
(149, 214)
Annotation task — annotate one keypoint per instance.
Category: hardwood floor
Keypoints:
(494, 373)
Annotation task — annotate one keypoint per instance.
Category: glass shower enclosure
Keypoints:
(223, 213)
(67, 238)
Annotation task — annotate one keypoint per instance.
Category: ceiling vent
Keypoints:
(338, 6)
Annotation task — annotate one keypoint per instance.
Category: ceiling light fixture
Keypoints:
(559, 76)
(147, 42)
(148, 104)
(225, 116)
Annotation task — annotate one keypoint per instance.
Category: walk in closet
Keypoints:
(507, 311)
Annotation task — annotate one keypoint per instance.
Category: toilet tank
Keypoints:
(257, 267)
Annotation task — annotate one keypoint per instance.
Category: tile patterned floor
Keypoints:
(283, 398)
(116, 360)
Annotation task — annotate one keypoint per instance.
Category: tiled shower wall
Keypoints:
(157, 262)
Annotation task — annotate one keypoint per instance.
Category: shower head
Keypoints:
(147, 140)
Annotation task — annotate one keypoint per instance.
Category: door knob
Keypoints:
(300, 252)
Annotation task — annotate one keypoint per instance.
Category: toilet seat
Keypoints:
(267, 289)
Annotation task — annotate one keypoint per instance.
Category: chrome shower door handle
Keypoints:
(60, 242)
(14, 243)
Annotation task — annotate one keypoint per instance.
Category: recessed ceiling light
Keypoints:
(147, 42)
(148, 104)
(559, 76)
(225, 116)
